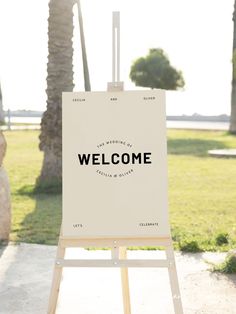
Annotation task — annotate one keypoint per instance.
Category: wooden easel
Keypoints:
(118, 245)
(118, 259)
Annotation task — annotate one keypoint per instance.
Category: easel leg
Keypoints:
(174, 280)
(56, 281)
(125, 282)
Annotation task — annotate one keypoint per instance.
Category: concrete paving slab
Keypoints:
(26, 274)
(224, 153)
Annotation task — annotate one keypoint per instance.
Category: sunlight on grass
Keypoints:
(202, 193)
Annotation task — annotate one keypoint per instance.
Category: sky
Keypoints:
(196, 35)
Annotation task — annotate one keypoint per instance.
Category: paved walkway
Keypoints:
(228, 153)
(26, 273)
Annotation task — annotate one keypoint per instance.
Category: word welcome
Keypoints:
(115, 159)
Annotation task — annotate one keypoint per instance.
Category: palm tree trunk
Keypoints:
(232, 127)
(59, 79)
(87, 84)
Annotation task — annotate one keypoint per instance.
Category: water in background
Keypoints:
(34, 123)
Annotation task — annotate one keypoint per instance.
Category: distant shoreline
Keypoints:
(198, 117)
(183, 117)
(24, 113)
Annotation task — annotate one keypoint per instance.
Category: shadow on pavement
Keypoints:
(25, 278)
(2, 249)
(229, 277)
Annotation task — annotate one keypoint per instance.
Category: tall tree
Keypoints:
(155, 71)
(87, 85)
(59, 79)
(1, 108)
(232, 127)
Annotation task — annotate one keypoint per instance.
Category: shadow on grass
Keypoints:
(195, 147)
(42, 226)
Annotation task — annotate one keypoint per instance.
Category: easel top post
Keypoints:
(115, 85)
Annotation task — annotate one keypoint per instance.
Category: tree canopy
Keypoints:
(155, 71)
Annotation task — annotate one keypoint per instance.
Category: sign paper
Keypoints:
(114, 164)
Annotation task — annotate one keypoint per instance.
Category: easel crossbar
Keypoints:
(112, 263)
(118, 260)
(111, 242)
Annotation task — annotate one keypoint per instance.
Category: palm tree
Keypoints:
(232, 127)
(59, 79)
(87, 85)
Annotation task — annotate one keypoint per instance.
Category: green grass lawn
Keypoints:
(202, 191)
(36, 218)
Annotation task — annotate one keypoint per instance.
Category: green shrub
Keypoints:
(189, 246)
(228, 266)
(222, 238)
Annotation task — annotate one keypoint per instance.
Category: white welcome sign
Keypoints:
(114, 165)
